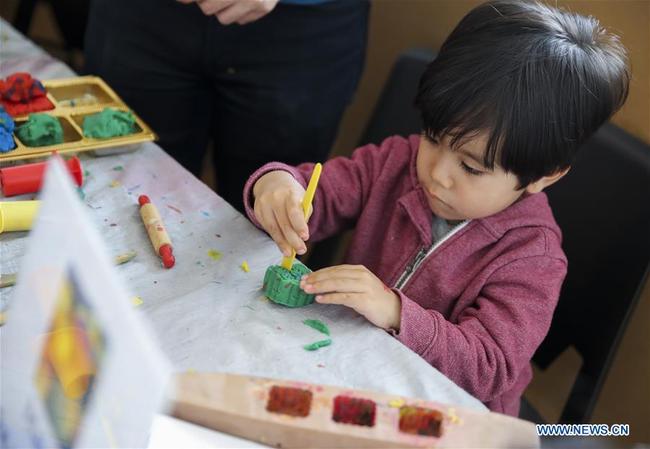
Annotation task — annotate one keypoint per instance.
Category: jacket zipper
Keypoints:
(422, 254)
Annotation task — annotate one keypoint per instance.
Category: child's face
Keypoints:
(457, 185)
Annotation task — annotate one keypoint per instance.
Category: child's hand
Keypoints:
(278, 208)
(357, 287)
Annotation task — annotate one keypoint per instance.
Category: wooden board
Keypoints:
(239, 405)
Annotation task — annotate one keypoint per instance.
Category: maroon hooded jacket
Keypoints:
(475, 305)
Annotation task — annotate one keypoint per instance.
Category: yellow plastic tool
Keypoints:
(287, 262)
(17, 215)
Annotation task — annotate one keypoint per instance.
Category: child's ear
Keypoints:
(544, 182)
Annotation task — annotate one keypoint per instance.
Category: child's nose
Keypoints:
(441, 173)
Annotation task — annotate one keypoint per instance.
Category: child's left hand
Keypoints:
(357, 287)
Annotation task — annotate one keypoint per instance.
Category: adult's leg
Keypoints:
(150, 52)
(282, 85)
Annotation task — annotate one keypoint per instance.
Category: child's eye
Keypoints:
(470, 170)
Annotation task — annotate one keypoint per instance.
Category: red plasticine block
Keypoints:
(354, 411)
(36, 105)
(21, 94)
(21, 87)
(289, 401)
(420, 421)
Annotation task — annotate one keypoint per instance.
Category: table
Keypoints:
(210, 315)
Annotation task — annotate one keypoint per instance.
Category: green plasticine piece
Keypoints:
(109, 123)
(283, 287)
(318, 325)
(40, 130)
(318, 344)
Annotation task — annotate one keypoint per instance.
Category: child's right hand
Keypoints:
(278, 208)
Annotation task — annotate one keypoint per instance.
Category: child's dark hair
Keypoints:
(539, 80)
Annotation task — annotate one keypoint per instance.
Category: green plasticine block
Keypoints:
(109, 123)
(283, 287)
(40, 130)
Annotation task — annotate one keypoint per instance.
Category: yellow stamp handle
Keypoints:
(287, 262)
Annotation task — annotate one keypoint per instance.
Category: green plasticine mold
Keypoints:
(283, 287)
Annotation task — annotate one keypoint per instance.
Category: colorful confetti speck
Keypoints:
(175, 209)
(206, 214)
(244, 266)
(115, 184)
(214, 254)
(453, 417)
(118, 168)
(137, 301)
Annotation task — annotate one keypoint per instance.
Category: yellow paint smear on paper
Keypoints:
(453, 417)
(214, 254)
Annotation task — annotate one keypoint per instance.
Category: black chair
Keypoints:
(603, 209)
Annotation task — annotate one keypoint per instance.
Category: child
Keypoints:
(455, 249)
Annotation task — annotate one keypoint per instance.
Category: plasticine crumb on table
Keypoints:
(283, 286)
(109, 123)
(40, 130)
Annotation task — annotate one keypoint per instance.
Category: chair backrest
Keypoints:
(395, 112)
(603, 209)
